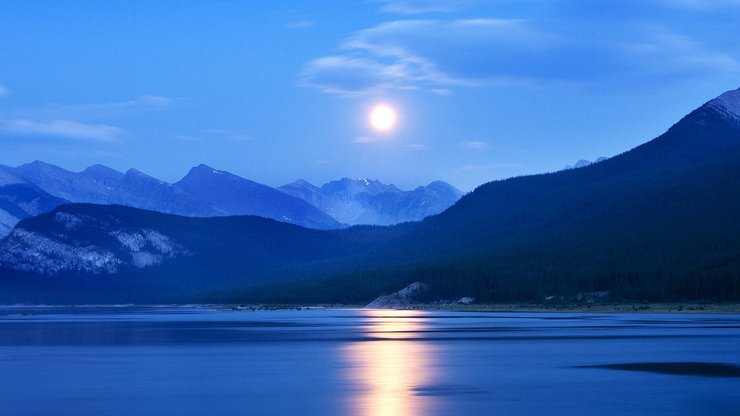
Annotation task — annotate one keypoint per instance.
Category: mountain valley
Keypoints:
(658, 223)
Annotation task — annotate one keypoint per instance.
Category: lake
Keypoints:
(197, 361)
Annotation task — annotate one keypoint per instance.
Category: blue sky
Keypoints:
(280, 90)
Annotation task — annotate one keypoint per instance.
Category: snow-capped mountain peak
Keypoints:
(727, 104)
(369, 201)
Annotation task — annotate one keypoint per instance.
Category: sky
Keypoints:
(280, 90)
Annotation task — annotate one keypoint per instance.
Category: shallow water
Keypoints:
(193, 361)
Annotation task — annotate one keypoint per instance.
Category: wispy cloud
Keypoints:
(80, 122)
(439, 55)
(435, 55)
(659, 50)
(228, 135)
(115, 109)
(347, 75)
(4, 91)
(365, 139)
(94, 111)
(474, 145)
(422, 6)
(66, 129)
(300, 24)
(416, 146)
(701, 5)
(214, 134)
(187, 138)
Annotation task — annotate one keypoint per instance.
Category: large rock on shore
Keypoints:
(402, 299)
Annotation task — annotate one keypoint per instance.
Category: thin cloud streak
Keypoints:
(701, 5)
(409, 7)
(228, 135)
(187, 138)
(301, 24)
(94, 111)
(101, 133)
(346, 75)
(474, 145)
(365, 139)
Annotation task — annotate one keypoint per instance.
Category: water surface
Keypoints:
(192, 361)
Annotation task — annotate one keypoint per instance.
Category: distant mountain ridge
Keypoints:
(20, 199)
(234, 195)
(368, 201)
(208, 192)
(79, 251)
(658, 222)
(100, 184)
(582, 163)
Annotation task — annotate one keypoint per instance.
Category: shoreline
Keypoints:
(626, 308)
(678, 308)
(674, 308)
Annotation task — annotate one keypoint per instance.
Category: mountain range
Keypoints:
(38, 187)
(363, 201)
(658, 222)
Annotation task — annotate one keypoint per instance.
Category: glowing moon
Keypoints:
(383, 117)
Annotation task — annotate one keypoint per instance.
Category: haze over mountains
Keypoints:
(38, 187)
(658, 222)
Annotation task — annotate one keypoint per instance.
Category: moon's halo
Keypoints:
(383, 117)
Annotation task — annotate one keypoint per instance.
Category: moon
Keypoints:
(383, 117)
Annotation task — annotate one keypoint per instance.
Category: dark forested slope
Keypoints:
(658, 222)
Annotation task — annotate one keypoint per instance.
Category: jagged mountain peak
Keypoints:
(38, 166)
(136, 176)
(444, 186)
(369, 201)
(103, 174)
(235, 195)
(350, 186)
(203, 168)
(301, 184)
(205, 172)
(100, 169)
(37, 163)
(136, 172)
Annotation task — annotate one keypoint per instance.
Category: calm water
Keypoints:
(124, 361)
